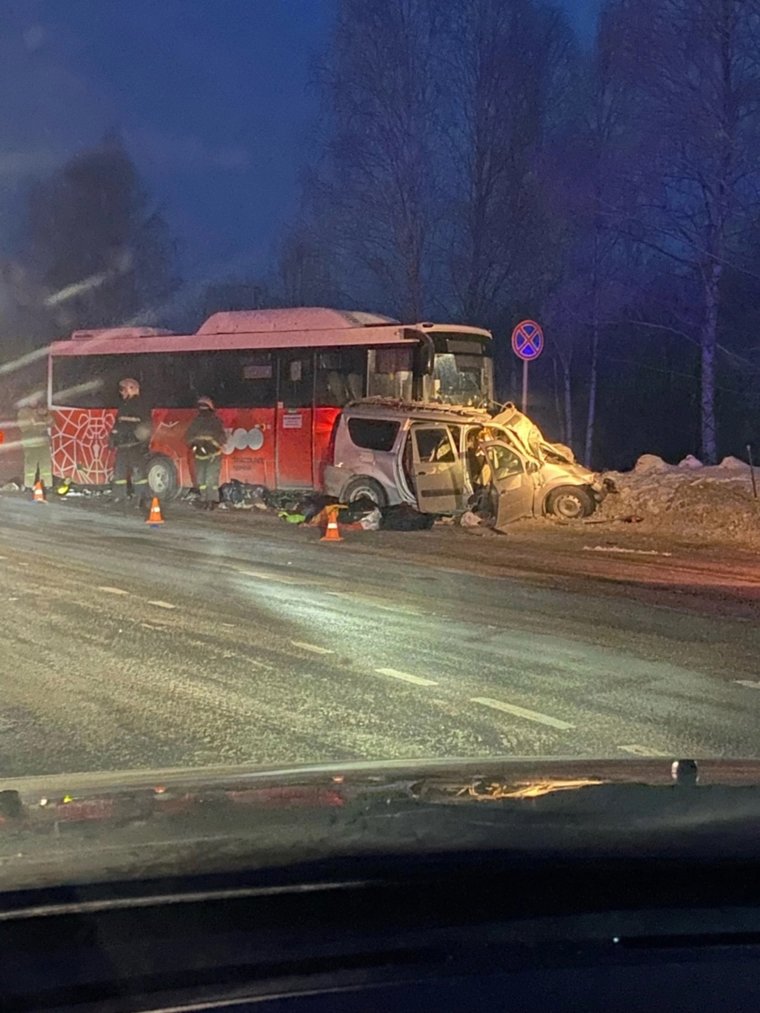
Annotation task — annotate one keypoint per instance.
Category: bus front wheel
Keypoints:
(162, 477)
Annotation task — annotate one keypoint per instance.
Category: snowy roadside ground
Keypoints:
(688, 501)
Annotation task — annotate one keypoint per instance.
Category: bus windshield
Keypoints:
(461, 377)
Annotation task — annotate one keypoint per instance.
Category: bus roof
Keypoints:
(297, 318)
(301, 327)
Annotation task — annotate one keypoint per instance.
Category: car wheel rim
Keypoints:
(569, 507)
(363, 493)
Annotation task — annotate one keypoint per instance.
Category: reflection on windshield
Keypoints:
(461, 379)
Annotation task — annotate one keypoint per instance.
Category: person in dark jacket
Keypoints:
(130, 437)
(206, 436)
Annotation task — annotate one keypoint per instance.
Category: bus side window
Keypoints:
(340, 376)
(234, 379)
(169, 380)
(296, 379)
(391, 373)
(92, 381)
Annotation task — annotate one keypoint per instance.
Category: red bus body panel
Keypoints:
(251, 454)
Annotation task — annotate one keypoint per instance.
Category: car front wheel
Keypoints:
(571, 503)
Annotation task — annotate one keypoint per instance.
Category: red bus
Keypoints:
(279, 378)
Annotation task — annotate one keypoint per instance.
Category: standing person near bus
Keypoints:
(206, 436)
(34, 424)
(130, 437)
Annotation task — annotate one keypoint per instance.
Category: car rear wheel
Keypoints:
(162, 477)
(570, 502)
(363, 487)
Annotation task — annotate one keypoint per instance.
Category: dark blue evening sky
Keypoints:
(211, 96)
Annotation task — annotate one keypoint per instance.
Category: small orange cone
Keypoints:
(154, 517)
(332, 531)
(39, 493)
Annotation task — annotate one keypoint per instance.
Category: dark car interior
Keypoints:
(463, 931)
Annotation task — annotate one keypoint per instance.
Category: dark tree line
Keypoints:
(93, 252)
(476, 163)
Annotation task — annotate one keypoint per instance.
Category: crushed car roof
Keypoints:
(422, 409)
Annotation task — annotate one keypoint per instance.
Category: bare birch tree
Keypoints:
(695, 68)
(508, 68)
(377, 180)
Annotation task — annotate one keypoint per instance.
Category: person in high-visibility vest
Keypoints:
(34, 424)
(206, 436)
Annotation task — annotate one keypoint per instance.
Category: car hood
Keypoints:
(64, 829)
(575, 472)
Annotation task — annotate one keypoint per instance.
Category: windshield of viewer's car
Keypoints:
(379, 382)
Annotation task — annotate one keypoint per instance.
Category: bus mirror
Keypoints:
(424, 353)
(427, 354)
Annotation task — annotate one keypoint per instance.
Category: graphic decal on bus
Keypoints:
(80, 447)
(243, 439)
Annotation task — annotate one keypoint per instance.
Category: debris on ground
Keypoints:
(371, 521)
(470, 520)
(406, 518)
(689, 500)
(292, 518)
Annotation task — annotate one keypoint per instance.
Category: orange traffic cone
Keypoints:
(154, 517)
(332, 531)
(39, 493)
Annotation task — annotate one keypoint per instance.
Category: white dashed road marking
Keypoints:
(521, 712)
(162, 604)
(112, 590)
(637, 750)
(748, 683)
(276, 578)
(363, 599)
(311, 647)
(416, 680)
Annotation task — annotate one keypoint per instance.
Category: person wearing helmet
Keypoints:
(130, 437)
(206, 436)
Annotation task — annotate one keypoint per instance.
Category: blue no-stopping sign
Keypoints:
(527, 340)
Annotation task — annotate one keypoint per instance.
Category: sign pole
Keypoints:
(752, 470)
(525, 388)
(527, 344)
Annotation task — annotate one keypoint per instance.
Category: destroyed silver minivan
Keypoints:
(441, 458)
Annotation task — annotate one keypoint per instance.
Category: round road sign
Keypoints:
(527, 340)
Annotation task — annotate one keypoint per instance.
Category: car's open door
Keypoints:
(437, 469)
(513, 484)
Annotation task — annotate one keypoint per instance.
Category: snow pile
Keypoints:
(688, 500)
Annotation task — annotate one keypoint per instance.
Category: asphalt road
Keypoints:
(201, 643)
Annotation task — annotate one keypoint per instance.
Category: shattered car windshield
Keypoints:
(379, 383)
